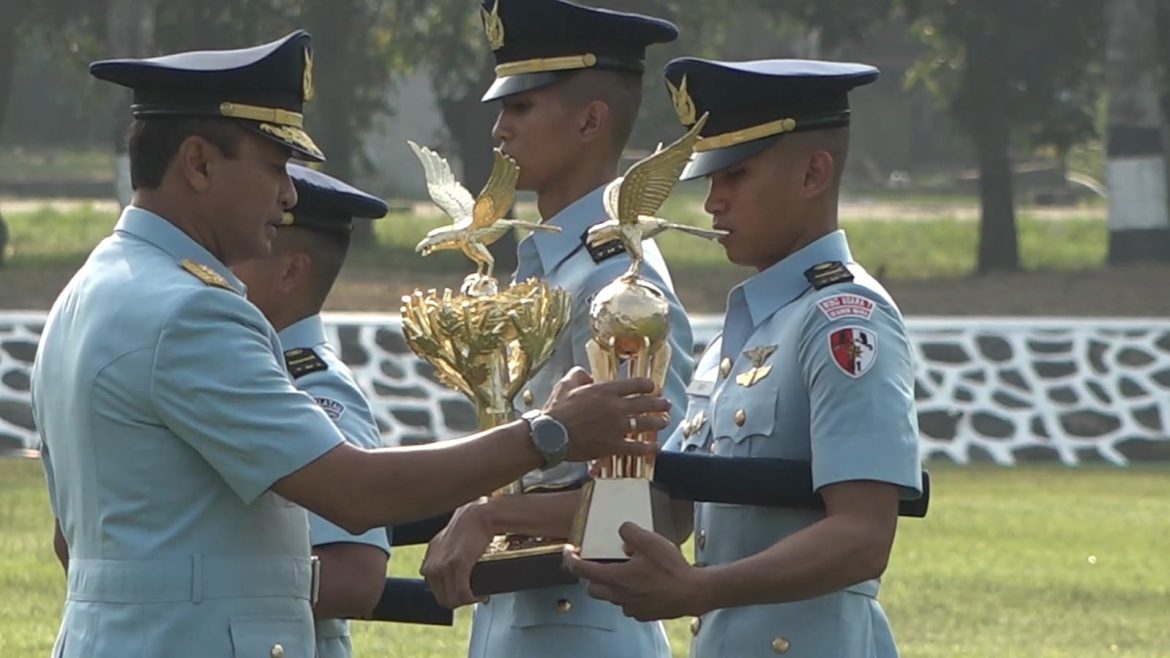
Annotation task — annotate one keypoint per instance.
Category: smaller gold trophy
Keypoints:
(486, 343)
(631, 324)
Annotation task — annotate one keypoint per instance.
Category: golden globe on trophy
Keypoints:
(630, 323)
(487, 343)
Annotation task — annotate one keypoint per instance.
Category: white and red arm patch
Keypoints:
(846, 306)
(854, 350)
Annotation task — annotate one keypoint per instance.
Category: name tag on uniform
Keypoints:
(701, 388)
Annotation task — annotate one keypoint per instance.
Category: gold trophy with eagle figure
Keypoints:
(630, 320)
(486, 342)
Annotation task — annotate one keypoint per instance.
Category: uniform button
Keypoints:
(696, 624)
(701, 540)
(486, 600)
(740, 418)
(780, 645)
(527, 397)
(277, 651)
(725, 366)
(564, 606)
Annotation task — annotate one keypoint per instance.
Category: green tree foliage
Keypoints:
(1010, 71)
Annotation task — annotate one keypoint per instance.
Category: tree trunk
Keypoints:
(129, 33)
(333, 24)
(1139, 223)
(470, 123)
(12, 13)
(991, 133)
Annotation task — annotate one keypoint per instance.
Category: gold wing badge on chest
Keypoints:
(758, 356)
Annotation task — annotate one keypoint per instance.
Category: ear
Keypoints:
(594, 121)
(194, 161)
(298, 267)
(820, 169)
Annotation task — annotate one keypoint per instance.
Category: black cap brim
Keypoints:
(515, 84)
(706, 163)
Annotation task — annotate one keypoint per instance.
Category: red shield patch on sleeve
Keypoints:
(854, 350)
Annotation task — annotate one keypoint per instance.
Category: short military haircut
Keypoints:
(327, 250)
(153, 143)
(619, 90)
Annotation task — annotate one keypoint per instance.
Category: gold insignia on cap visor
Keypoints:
(493, 26)
(684, 106)
(307, 82)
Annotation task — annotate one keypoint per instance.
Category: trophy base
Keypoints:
(607, 503)
(520, 569)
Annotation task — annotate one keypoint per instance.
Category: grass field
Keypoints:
(939, 242)
(1033, 562)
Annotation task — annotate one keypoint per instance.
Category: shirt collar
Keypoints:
(772, 289)
(308, 332)
(163, 234)
(574, 221)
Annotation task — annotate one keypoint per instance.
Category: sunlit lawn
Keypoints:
(1036, 562)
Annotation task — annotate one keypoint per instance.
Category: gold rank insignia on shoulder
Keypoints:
(493, 26)
(757, 355)
(684, 106)
(206, 274)
(301, 361)
(827, 274)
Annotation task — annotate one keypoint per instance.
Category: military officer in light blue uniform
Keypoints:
(569, 81)
(178, 455)
(813, 365)
(289, 286)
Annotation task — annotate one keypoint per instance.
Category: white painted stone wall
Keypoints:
(989, 389)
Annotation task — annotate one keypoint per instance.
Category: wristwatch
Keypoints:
(548, 435)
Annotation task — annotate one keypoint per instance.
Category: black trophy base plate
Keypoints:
(516, 571)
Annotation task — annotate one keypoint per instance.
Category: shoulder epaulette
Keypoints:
(827, 274)
(603, 251)
(301, 361)
(206, 274)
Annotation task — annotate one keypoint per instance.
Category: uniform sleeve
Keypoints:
(859, 373)
(50, 478)
(217, 385)
(682, 341)
(341, 400)
(46, 460)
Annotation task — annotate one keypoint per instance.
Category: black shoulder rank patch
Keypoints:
(827, 274)
(206, 274)
(603, 251)
(301, 361)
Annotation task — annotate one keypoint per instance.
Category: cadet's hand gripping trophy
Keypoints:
(482, 342)
(630, 322)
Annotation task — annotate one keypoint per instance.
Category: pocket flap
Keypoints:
(562, 606)
(268, 637)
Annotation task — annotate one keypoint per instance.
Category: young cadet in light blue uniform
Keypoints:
(174, 443)
(569, 80)
(813, 365)
(290, 286)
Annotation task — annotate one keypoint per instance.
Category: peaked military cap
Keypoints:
(751, 104)
(538, 42)
(264, 87)
(327, 204)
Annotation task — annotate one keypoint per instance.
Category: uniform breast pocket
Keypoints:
(267, 637)
(745, 420)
